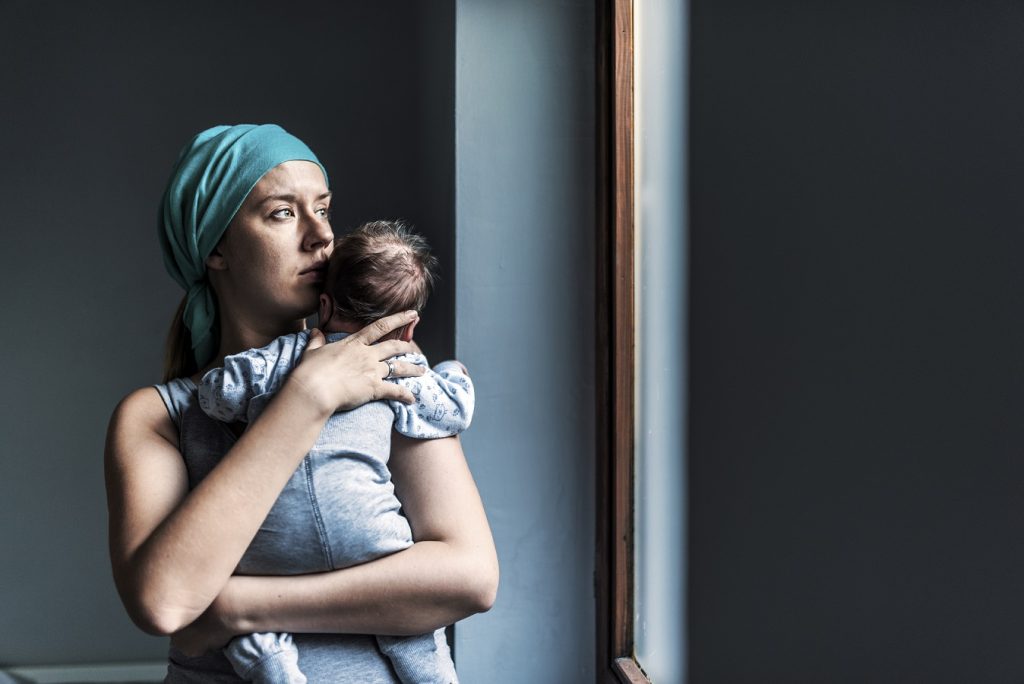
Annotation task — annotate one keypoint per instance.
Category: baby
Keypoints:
(343, 488)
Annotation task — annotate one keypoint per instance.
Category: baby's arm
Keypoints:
(225, 392)
(444, 401)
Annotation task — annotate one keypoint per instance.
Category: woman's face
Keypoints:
(270, 264)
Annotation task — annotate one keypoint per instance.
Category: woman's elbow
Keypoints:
(156, 621)
(154, 616)
(480, 589)
(485, 596)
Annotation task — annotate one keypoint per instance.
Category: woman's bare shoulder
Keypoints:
(144, 470)
(142, 413)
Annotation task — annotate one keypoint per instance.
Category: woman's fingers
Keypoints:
(404, 369)
(383, 326)
(352, 372)
(389, 348)
(400, 369)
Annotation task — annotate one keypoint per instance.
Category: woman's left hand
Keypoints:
(207, 633)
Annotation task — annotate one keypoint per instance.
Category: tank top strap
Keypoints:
(178, 395)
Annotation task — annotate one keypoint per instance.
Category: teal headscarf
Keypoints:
(213, 175)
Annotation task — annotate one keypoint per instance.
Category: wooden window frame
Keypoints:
(615, 346)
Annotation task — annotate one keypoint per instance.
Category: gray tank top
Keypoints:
(323, 658)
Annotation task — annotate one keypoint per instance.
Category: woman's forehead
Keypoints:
(300, 178)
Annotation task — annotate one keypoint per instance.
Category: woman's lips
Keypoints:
(315, 273)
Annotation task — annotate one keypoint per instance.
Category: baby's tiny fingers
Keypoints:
(316, 339)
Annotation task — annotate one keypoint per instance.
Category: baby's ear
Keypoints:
(326, 308)
(405, 334)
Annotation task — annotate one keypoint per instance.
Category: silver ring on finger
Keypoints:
(391, 369)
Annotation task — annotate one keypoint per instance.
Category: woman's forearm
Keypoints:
(451, 571)
(415, 591)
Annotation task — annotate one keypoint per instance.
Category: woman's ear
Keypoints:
(216, 260)
(326, 309)
(405, 335)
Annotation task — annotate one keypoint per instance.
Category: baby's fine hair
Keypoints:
(378, 269)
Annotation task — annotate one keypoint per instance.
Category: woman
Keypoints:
(246, 232)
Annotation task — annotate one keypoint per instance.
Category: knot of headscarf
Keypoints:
(211, 179)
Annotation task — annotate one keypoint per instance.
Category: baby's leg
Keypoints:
(421, 659)
(265, 658)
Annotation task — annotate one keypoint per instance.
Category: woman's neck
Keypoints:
(238, 336)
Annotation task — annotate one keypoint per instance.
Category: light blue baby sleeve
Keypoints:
(225, 392)
(444, 400)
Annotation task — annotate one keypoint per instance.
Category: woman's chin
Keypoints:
(294, 318)
(305, 304)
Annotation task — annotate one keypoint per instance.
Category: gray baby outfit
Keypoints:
(359, 517)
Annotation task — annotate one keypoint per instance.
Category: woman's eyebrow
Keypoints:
(292, 198)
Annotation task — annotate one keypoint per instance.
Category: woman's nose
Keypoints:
(318, 234)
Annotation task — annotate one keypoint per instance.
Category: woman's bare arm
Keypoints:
(451, 571)
(172, 550)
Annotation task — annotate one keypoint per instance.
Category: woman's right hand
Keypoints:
(352, 372)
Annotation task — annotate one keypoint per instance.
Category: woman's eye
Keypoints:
(324, 212)
(283, 213)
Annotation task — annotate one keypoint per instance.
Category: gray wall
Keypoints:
(524, 325)
(98, 97)
(856, 342)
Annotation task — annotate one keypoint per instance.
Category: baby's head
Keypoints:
(378, 269)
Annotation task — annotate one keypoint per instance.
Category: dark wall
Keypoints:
(856, 476)
(97, 99)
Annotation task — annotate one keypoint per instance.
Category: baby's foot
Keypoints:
(265, 658)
